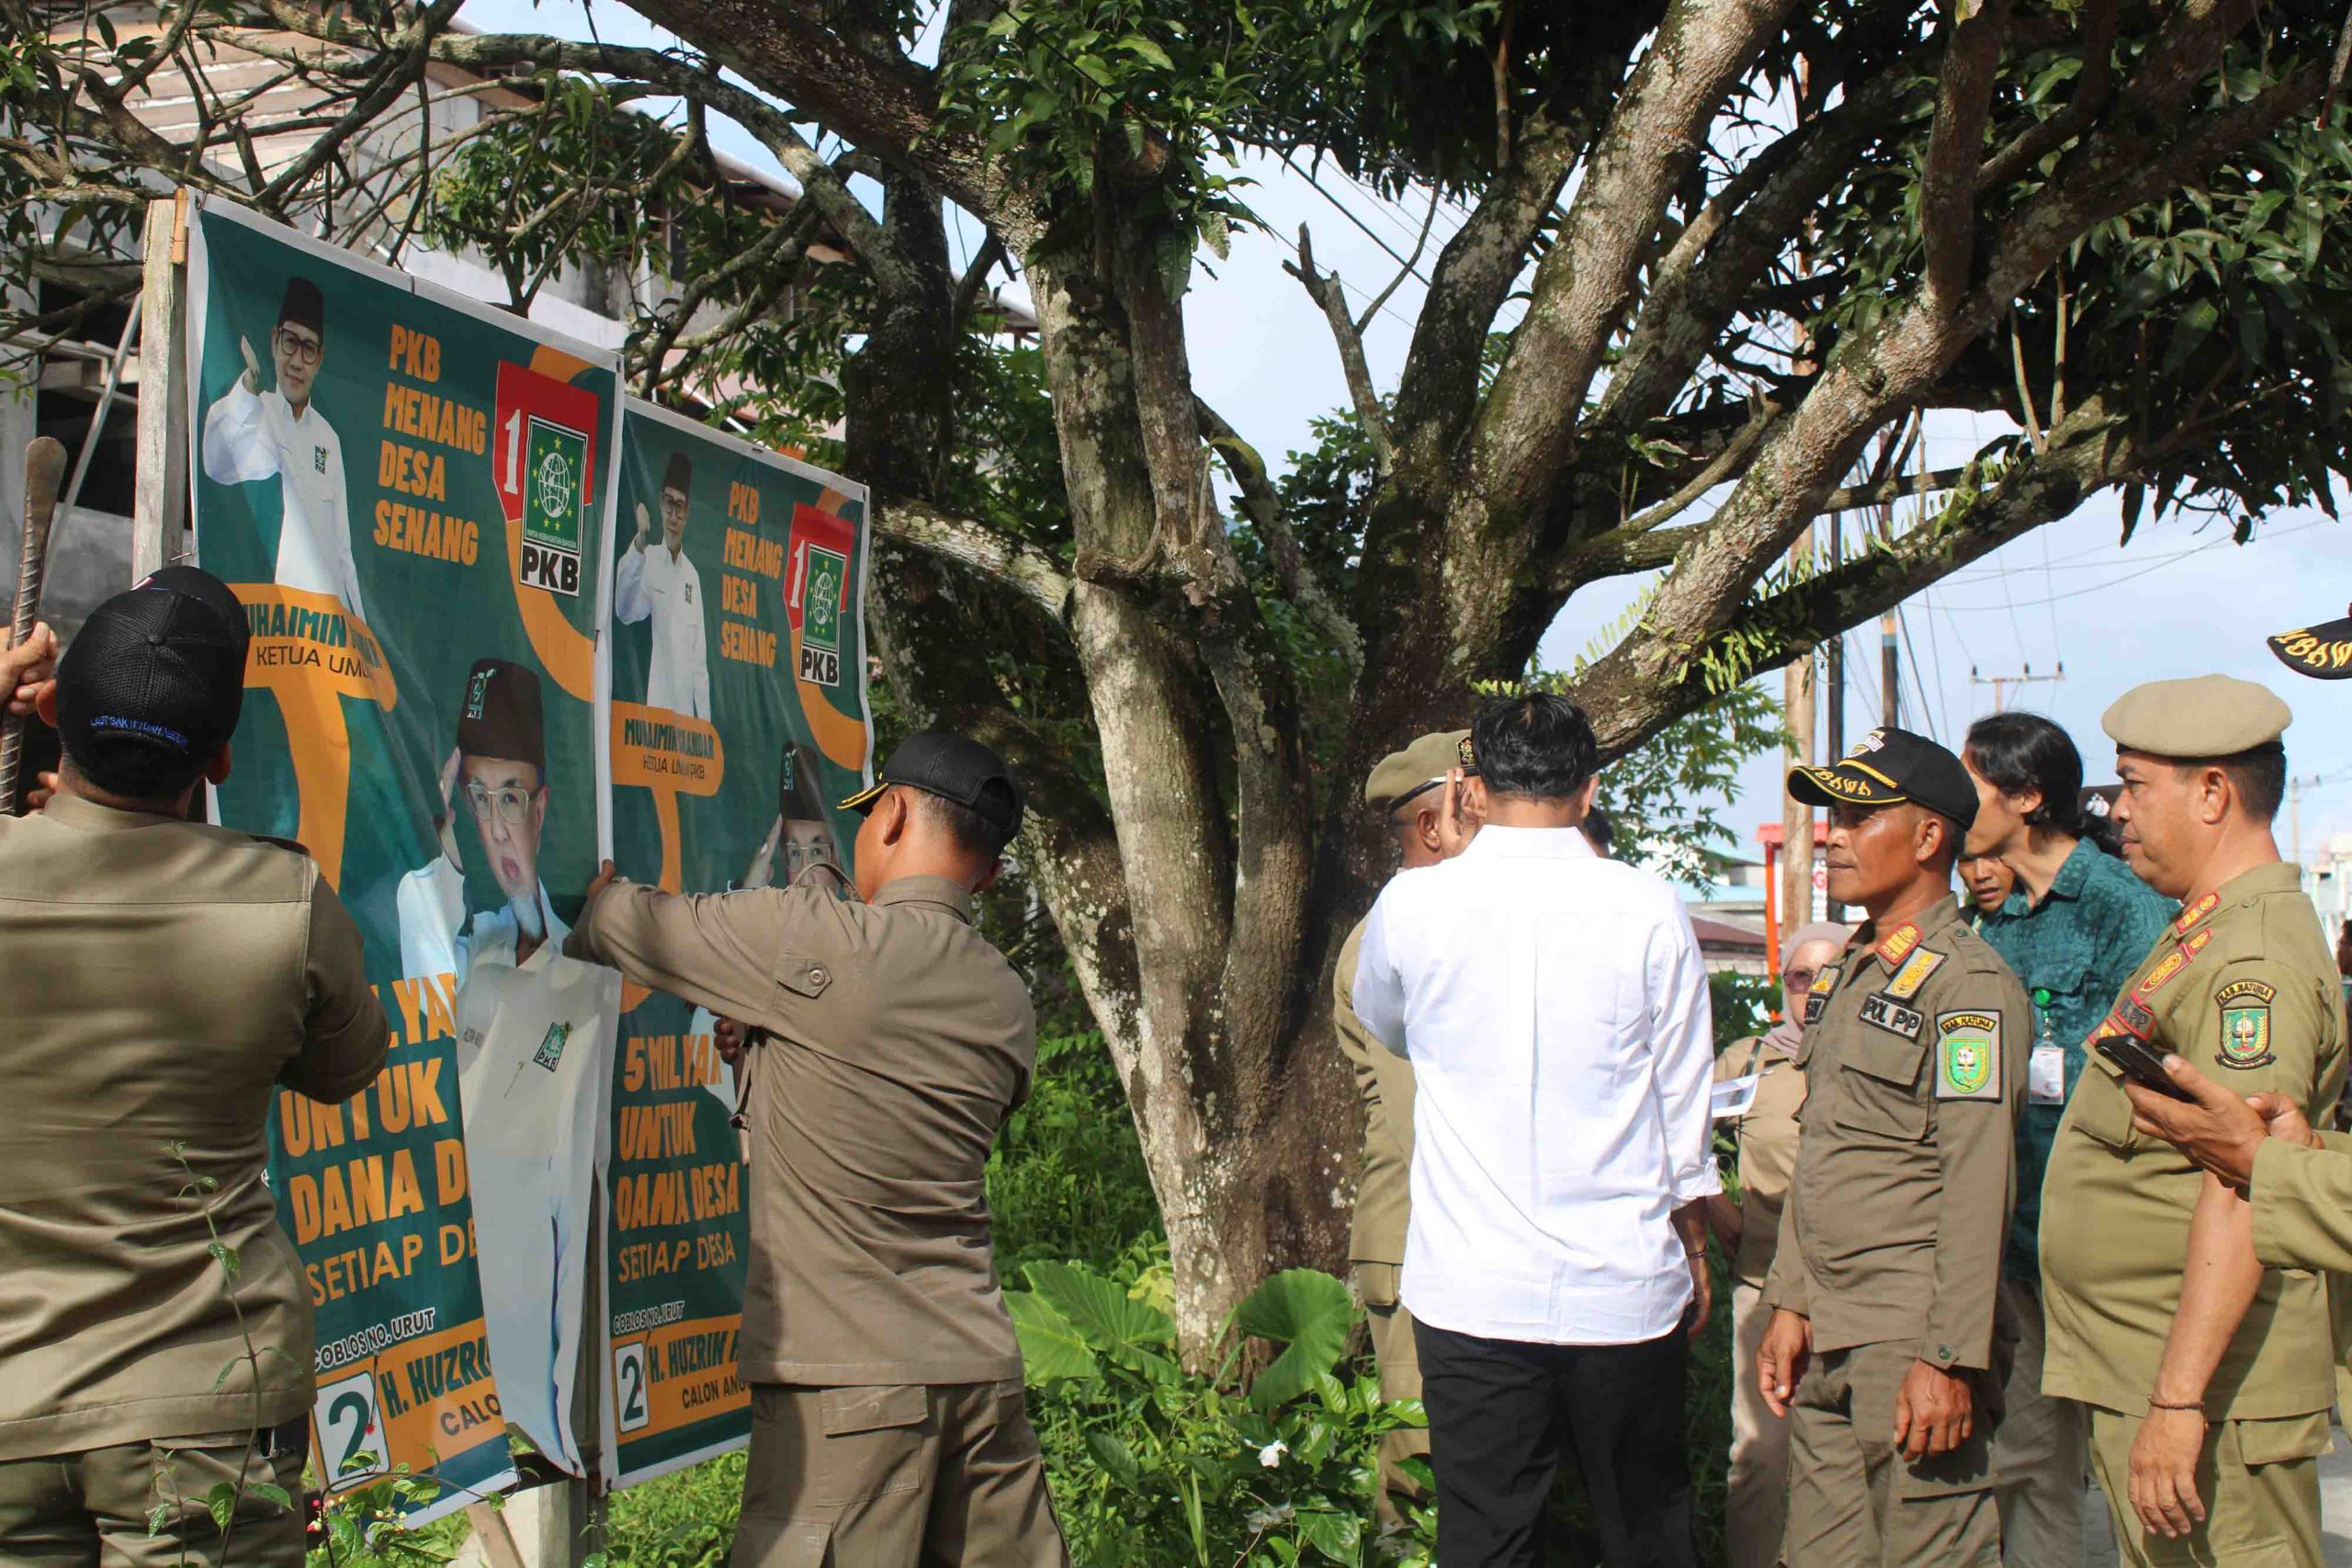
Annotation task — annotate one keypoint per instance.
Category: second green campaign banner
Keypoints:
(739, 722)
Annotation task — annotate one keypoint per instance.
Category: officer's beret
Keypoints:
(501, 716)
(1401, 776)
(2205, 715)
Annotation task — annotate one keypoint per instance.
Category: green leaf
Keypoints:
(227, 1257)
(1144, 49)
(221, 1503)
(270, 1491)
(1102, 1312)
(1117, 1460)
(1050, 1349)
(1309, 1312)
(1336, 1535)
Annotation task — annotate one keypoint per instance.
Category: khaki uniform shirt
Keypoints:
(898, 1040)
(1768, 1150)
(1384, 1199)
(1915, 1058)
(163, 977)
(2243, 987)
(2303, 1204)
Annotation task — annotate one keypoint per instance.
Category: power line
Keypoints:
(2151, 566)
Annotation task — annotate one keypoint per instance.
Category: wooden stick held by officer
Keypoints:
(1886, 1281)
(2207, 1379)
(888, 1414)
(169, 978)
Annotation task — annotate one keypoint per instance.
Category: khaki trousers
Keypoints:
(94, 1509)
(1854, 1502)
(2038, 1454)
(1756, 1507)
(2259, 1482)
(894, 1477)
(1394, 1353)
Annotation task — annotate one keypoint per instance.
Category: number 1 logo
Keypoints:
(629, 1382)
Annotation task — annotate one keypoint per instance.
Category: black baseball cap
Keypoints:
(954, 767)
(151, 687)
(1888, 766)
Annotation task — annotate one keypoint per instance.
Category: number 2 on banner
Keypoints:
(628, 1377)
(351, 1431)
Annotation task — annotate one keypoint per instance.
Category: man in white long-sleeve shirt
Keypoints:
(251, 436)
(663, 584)
(1554, 1005)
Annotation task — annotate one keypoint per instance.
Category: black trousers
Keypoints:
(1504, 1412)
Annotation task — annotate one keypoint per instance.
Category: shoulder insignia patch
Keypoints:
(2156, 980)
(1824, 981)
(2245, 1023)
(1913, 972)
(1968, 1055)
(2197, 911)
(2136, 1017)
(1885, 1012)
(2196, 945)
(1899, 944)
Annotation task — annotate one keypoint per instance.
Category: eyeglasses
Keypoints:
(307, 350)
(1799, 978)
(511, 805)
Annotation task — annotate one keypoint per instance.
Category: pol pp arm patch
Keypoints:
(1968, 1055)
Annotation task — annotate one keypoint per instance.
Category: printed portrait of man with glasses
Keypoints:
(251, 436)
(529, 1023)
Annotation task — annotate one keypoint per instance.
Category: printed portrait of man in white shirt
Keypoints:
(251, 436)
(531, 1028)
(659, 582)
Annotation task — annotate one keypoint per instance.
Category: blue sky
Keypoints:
(2177, 600)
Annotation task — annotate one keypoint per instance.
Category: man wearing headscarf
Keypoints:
(1760, 1088)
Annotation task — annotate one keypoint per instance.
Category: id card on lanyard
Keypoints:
(2045, 1077)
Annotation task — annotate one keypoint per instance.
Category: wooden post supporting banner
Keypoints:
(159, 504)
(1796, 817)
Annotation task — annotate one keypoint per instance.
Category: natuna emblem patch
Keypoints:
(2245, 1023)
(1968, 1055)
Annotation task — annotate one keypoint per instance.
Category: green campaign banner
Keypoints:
(739, 723)
(408, 491)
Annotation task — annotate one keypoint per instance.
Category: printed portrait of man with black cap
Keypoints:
(251, 436)
(801, 838)
(661, 584)
(528, 1030)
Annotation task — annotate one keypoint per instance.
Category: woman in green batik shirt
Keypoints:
(2075, 927)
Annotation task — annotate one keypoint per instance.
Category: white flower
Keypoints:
(1272, 1454)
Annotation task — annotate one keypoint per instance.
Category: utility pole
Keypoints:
(1890, 669)
(1833, 664)
(2296, 790)
(1796, 817)
(2001, 683)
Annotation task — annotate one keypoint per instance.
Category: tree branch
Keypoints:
(977, 547)
(2082, 110)
(1265, 509)
(1325, 289)
(1955, 148)
(1528, 423)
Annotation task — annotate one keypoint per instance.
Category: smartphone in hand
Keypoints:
(2142, 1065)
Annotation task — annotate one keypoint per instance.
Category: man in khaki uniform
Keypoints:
(887, 1421)
(1887, 1282)
(164, 979)
(2207, 1379)
(1759, 1088)
(1409, 789)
